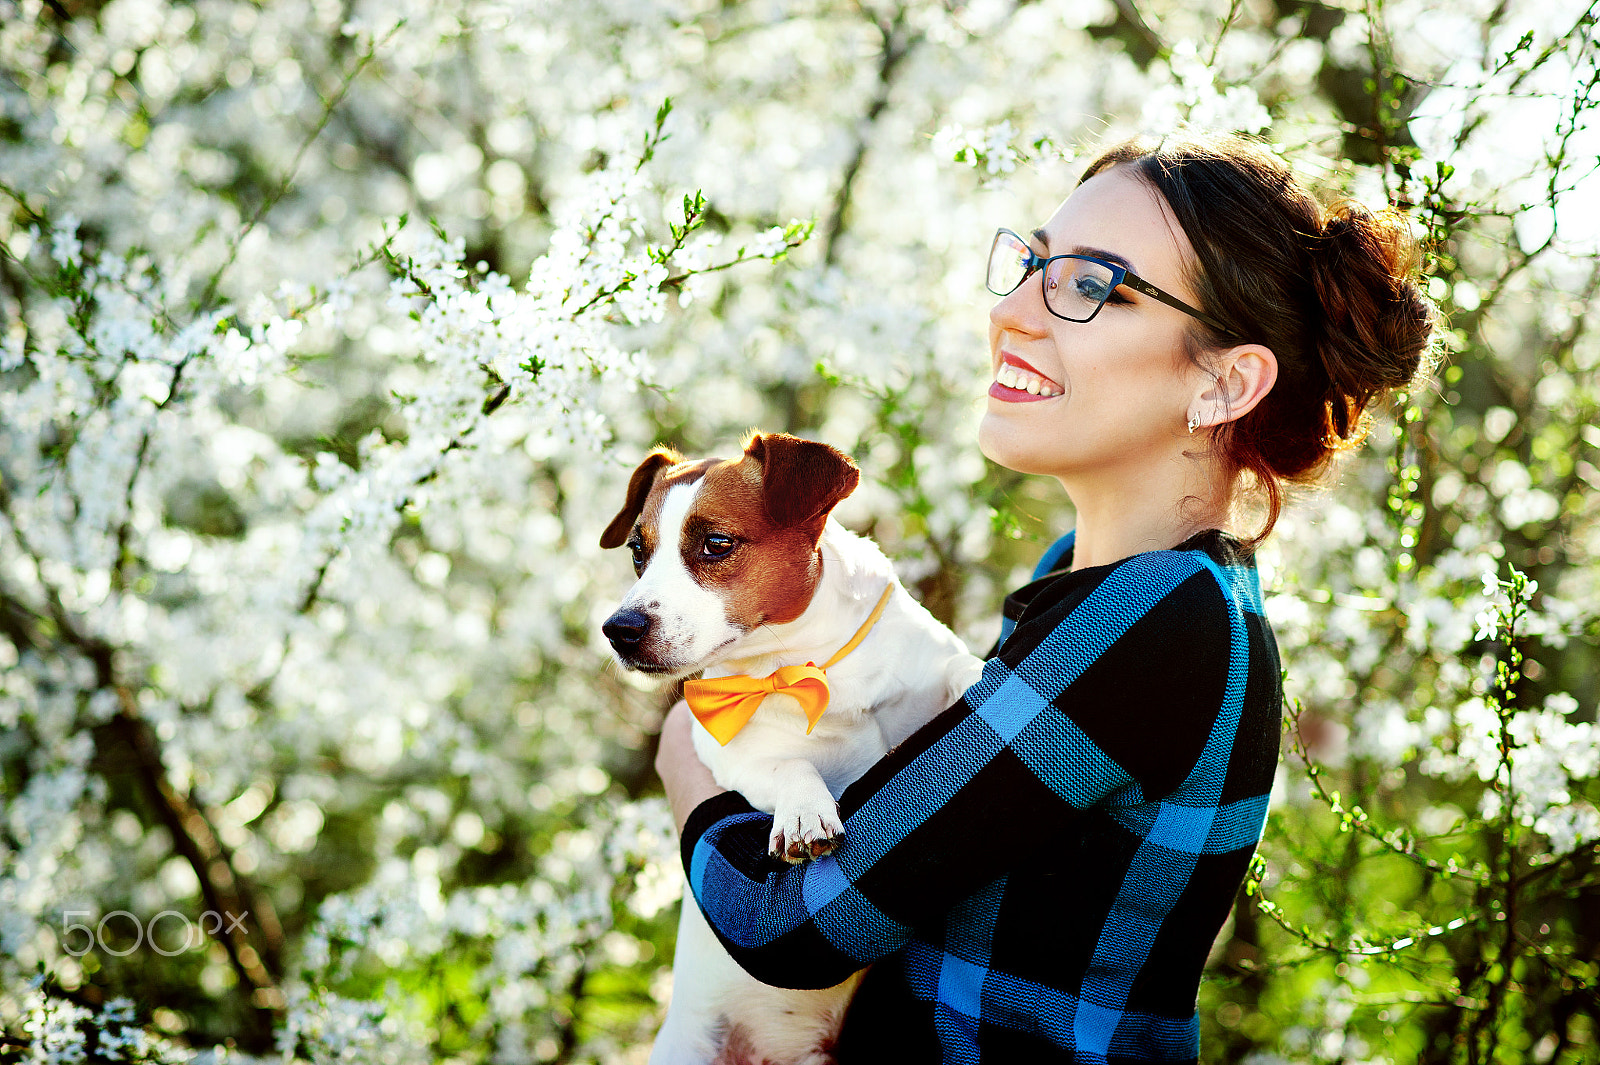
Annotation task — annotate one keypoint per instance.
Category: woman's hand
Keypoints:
(688, 782)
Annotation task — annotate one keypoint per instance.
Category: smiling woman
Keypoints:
(1038, 874)
(1109, 361)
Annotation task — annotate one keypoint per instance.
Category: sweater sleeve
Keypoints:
(1105, 698)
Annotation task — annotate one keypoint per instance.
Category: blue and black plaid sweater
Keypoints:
(1038, 874)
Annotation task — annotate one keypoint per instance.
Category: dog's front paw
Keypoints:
(960, 673)
(800, 834)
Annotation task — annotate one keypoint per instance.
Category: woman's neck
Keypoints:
(1117, 521)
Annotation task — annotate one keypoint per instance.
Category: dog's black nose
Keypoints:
(625, 629)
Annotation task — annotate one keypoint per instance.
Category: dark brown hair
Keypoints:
(1331, 291)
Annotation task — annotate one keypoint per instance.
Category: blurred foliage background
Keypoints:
(330, 331)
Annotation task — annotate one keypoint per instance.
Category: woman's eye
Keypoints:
(717, 546)
(1092, 288)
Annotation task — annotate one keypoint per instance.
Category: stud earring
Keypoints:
(1194, 421)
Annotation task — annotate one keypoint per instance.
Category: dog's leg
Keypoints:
(789, 1027)
(961, 672)
(805, 822)
(805, 817)
(759, 763)
(702, 976)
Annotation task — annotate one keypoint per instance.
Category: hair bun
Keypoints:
(1375, 321)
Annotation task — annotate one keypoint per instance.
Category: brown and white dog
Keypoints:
(742, 571)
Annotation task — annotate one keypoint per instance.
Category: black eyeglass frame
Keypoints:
(1120, 275)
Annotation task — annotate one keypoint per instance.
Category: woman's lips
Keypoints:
(1014, 395)
(1017, 381)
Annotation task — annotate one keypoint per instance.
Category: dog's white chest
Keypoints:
(839, 750)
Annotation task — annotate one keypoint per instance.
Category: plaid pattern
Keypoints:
(1038, 874)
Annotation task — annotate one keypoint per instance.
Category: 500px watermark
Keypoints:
(194, 933)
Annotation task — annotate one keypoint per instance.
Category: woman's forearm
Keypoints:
(688, 782)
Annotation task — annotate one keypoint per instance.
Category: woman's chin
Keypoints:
(1005, 443)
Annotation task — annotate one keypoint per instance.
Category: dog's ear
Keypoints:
(639, 486)
(802, 480)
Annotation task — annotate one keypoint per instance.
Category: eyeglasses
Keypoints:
(1075, 286)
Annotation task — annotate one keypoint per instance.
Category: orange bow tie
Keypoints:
(725, 704)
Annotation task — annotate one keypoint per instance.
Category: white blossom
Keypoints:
(310, 497)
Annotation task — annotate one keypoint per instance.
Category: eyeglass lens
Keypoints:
(1008, 263)
(1074, 288)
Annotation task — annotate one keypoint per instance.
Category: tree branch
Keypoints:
(897, 43)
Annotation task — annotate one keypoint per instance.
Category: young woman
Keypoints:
(1039, 873)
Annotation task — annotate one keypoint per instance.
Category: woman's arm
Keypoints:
(1113, 694)
(688, 782)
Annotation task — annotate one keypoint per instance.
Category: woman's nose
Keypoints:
(1023, 310)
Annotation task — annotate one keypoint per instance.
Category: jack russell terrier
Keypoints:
(816, 662)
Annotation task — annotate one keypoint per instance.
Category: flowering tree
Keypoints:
(329, 333)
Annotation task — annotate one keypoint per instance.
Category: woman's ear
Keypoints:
(1241, 377)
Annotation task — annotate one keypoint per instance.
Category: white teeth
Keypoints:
(1013, 377)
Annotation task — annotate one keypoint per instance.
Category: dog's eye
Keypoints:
(717, 546)
(637, 547)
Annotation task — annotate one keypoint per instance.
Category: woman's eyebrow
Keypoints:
(1108, 256)
(1094, 253)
